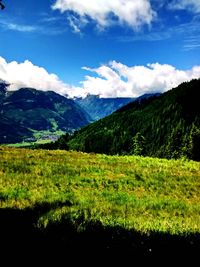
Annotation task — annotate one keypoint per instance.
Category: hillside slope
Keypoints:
(163, 126)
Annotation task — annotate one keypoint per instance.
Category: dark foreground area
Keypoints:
(21, 242)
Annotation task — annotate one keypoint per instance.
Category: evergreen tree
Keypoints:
(138, 145)
(195, 143)
(176, 143)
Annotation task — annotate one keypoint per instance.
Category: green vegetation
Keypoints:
(168, 124)
(146, 195)
(29, 144)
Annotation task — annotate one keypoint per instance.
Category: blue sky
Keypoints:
(106, 47)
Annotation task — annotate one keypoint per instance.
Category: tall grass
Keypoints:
(141, 194)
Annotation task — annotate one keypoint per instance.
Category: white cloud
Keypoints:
(45, 26)
(134, 13)
(26, 74)
(192, 5)
(21, 28)
(118, 80)
(17, 27)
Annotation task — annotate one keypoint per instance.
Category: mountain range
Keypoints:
(29, 114)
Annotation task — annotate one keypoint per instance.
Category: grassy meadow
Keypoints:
(146, 195)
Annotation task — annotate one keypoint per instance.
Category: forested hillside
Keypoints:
(162, 126)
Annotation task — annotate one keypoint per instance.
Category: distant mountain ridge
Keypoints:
(26, 112)
(161, 126)
(99, 108)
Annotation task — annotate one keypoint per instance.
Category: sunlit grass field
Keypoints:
(135, 193)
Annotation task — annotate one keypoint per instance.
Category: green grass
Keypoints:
(28, 144)
(136, 193)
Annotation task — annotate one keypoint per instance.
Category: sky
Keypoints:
(112, 48)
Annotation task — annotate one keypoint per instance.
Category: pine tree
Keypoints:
(138, 145)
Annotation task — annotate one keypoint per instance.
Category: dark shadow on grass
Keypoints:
(19, 236)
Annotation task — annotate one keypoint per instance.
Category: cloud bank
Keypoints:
(112, 80)
(119, 80)
(104, 13)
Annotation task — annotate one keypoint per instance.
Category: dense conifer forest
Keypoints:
(166, 126)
